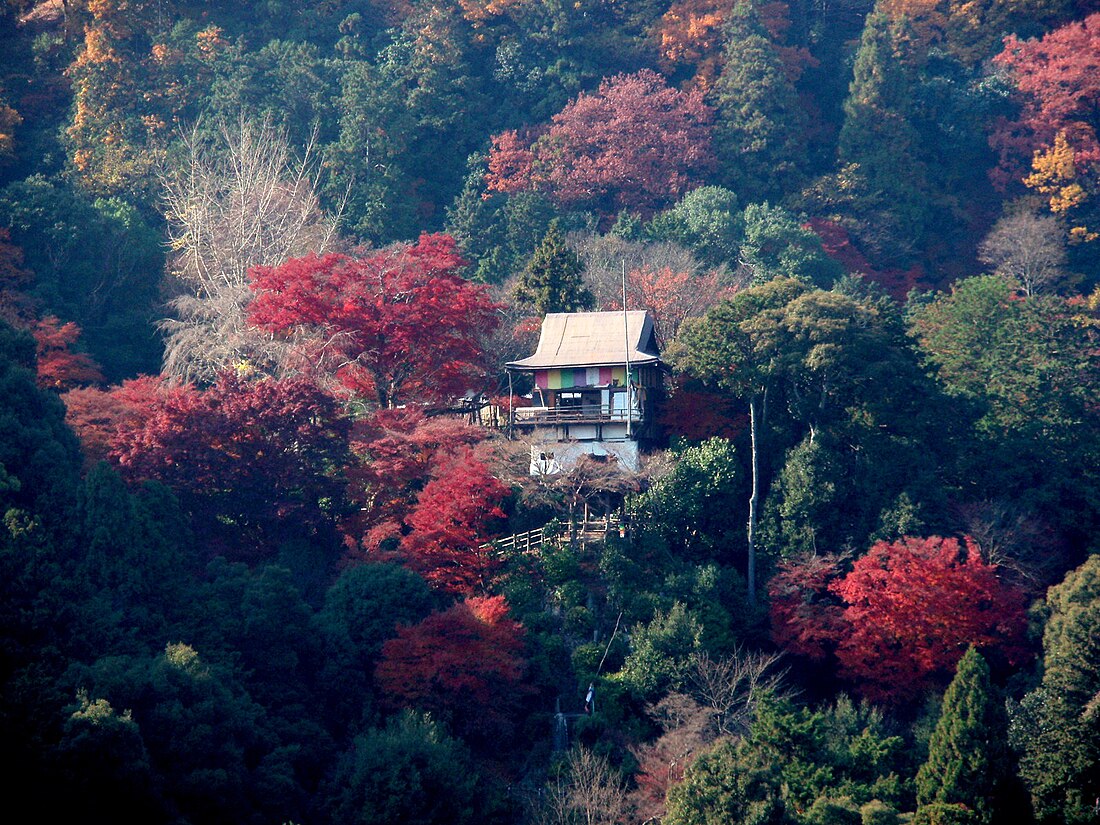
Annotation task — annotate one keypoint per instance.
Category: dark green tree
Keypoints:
(552, 279)
(410, 772)
(1028, 370)
(1056, 728)
(707, 221)
(878, 141)
(694, 510)
(722, 349)
(968, 754)
(362, 609)
(289, 85)
(104, 767)
(407, 128)
(759, 130)
(95, 262)
(839, 376)
(727, 784)
(660, 653)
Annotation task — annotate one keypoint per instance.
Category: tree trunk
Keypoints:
(754, 499)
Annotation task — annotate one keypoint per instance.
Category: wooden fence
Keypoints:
(535, 539)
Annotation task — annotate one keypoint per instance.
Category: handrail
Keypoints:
(571, 415)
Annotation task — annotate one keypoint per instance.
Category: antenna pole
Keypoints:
(626, 341)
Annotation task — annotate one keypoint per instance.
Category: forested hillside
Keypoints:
(253, 257)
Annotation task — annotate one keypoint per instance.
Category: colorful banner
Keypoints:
(574, 377)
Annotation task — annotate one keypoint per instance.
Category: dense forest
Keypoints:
(254, 254)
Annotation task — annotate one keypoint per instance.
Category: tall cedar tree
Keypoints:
(878, 135)
(552, 280)
(759, 125)
(1057, 726)
(968, 755)
(395, 326)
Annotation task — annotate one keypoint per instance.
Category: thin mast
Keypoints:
(626, 341)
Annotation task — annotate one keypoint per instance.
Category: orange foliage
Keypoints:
(691, 34)
(479, 11)
(97, 416)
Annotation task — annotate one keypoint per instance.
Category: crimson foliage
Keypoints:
(636, 143)
(906, 614)
(259, 456)
(398, 451)
(463, 665)
(450, 524)
(397, 325)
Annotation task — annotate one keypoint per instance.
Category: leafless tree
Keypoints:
(1028, 249)
(732, 686)
(603, 257)
(687, 729)
(590, 792)
(238, 200)
(1021, 544)
(550, 805)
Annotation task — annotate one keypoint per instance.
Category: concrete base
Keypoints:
(555, 457)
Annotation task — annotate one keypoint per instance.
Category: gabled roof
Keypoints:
(592, 339)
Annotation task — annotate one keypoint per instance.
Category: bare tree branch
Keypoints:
(237, 201)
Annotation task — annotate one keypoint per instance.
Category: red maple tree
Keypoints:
(256, 456)
(636, 143)
(397, 451)
(97, 416)
(806, 617)
(464, 665)
(396, 325)
(451, 523)
(910, 609)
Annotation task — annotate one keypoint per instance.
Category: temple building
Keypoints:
(582, 401)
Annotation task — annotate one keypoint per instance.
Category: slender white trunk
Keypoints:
(754, 500)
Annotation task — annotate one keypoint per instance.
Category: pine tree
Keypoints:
(968, 753)
(552, 279)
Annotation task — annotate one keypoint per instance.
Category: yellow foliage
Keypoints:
(1055, 174)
